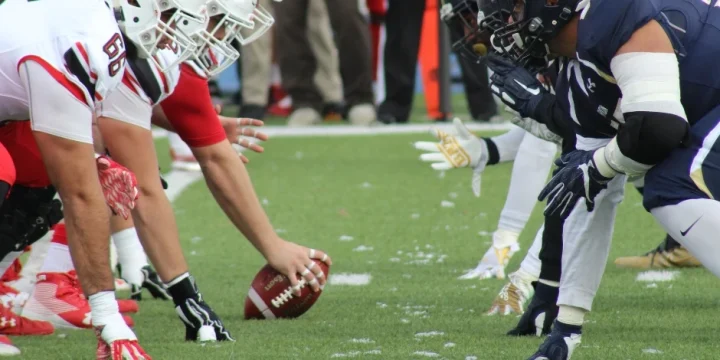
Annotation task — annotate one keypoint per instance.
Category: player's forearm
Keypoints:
(230, 184)
(86, 219)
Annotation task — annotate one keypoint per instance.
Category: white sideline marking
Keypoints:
(657, 275)
(350, 279)
(178, 181)
(335, 130)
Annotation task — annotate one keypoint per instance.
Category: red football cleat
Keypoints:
(57, 298)
(14, 325)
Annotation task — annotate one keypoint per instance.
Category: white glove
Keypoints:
(513, 295)
(535, 128)
(496, 258)
(462, 149)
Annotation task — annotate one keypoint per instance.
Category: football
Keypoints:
(270, 295)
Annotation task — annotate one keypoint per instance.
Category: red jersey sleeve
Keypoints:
(191, 112)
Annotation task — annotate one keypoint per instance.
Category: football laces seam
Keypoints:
(286, 295)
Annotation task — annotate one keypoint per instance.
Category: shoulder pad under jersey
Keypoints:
(605, 25)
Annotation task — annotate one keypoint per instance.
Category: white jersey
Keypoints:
(152, 85)
(143, 86)
(76, 41)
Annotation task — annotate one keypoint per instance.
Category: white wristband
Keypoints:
(602, 165)
(103, 308)
(618, 162)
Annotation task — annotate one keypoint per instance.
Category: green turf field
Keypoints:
(321, 191)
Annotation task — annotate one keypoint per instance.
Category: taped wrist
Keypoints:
(182, 288)
(493, 153)
(103, 308)
(551, 114)
(646, 139)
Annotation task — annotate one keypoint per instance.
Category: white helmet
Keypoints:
(241, 20)
(141, 23)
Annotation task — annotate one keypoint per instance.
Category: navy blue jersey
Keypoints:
(691, 172)
(587, 88)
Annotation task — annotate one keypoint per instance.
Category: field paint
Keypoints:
(657, 275)
(349, 279)
(335, 130)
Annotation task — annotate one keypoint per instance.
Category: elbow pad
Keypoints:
(645, 139)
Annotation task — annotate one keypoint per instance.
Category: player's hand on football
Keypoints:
(516, 86)
(576, 177)
(461, 149)
(239, 131)
(119, 186)
(297, 263)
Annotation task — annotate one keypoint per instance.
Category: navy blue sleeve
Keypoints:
(607, 25)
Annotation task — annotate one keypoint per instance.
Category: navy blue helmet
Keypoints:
(522, 29)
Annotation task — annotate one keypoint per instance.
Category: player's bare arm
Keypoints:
(86, 215)
(153, 215)
(228, 180)
(238, 130)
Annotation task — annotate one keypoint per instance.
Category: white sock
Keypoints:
(531, 264)
(504, 238)
(529, 175)
(571, 315)
(131, 255)
(57, 259)
(58, 256)
(508, 143)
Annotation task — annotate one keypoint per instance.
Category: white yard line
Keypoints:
(178, 181)
(340, 130)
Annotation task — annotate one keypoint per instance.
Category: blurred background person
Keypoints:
(261, 89)
(298, 62)
(411, 32)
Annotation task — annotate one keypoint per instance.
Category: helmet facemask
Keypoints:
(460, 18)
(522, 29)
(235, 20)
(180, 22)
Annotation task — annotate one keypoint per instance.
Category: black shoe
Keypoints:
(333, 112)
(386, 118)
(252, 111)
(540, 314)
